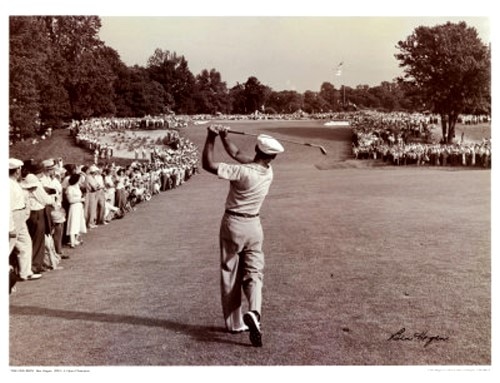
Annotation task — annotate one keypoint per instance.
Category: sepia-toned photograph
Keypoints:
(248, 190)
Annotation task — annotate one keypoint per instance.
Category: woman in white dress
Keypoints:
(76, 217)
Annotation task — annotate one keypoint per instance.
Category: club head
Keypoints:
(323, 150)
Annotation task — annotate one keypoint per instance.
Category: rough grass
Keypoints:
(60, 144)
(353, 255)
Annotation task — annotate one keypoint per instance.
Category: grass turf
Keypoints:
(353, 255)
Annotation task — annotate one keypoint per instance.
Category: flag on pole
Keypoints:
(339, 69)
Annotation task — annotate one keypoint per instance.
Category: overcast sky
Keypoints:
(296, 53)
(286, 45)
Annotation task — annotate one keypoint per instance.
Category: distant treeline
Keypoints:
(60, 71)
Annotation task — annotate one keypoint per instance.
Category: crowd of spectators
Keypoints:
(298, 115)
(53, 204)
(103, 137)
(134, 123)
(405, 139)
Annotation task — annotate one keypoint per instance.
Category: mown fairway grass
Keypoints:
(354, 253)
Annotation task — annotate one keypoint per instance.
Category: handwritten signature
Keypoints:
(417, 336)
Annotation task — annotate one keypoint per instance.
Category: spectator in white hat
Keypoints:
(241, 235)
(19, 236)
(46, 174)
(37, 200)
(50, 182)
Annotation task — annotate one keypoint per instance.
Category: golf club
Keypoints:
(323, 150)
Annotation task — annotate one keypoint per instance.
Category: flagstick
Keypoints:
(339, 73)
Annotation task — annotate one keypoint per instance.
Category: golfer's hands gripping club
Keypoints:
(216, 130)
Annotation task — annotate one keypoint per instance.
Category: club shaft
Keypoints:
(281, 139)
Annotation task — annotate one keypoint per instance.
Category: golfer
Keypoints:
(241, 235)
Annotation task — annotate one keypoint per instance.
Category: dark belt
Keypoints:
(243, 215)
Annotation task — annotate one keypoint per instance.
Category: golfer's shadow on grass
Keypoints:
(200, 333)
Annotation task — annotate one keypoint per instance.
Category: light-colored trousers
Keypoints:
(100, 206)
(96, 201)
(90, 208)
(242, 267)
(22, 243)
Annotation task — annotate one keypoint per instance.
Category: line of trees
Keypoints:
(61, 70)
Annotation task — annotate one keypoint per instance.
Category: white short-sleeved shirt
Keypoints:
(248, 187)
(17, 196)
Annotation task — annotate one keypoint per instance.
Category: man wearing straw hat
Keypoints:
(241, 235)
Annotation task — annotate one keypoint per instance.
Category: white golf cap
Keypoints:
(30, 181)
(14, 163)
(269, 145)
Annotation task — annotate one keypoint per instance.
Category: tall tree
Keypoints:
(172, 72)
(451, 68)
(286, 101)
(184, 86)
(314, 103)
(136, 94)
(28, 55)
(211, 94)
(328, 93)
(255, 95)
(237, 97)
(385, 93)
(55, 107)
(89, 77)
(54, 97)
(410, 98)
